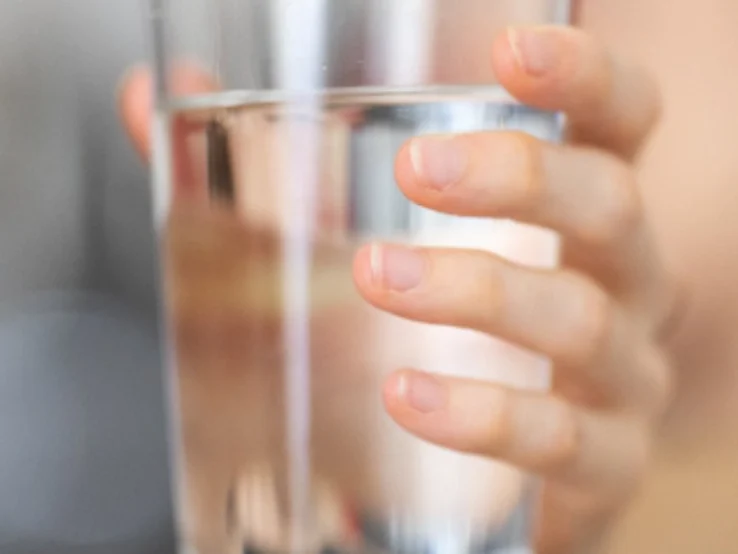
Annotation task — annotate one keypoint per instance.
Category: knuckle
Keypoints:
(654, 103)
(498, 434)
(526, 191)
(672, 311)
(621, 207)
(599, 75)
(662, 386)
(484, 293)
(650, 388)
(593, 318)
(563, 438)
(647, 113)
(541, 434)
(634, 460)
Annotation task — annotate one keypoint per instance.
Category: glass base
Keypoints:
(376, 536)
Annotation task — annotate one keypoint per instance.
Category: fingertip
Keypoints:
(394, 391)
(537, 64)
(135, 98)
(404, 169)
(421, 403)
(505, 58)
(136, 79)
(363, 268)
(422, 393)
(415, 400)
(429, 168)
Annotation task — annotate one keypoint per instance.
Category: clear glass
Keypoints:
(277, 125)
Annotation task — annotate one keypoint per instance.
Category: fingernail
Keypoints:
(534, 50)
(422, 392)
(396, 268)
(438, 161)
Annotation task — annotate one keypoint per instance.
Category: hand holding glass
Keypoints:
(275, 162)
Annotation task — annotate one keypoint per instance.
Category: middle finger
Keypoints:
(560, 314)
(588, 196)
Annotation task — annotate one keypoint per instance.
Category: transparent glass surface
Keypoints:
(276, 131)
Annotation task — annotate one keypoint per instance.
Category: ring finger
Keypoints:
(559, 314)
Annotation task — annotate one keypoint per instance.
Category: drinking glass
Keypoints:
(276, 127)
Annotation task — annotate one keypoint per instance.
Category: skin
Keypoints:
(631, 312)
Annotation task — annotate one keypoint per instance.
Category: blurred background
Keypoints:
(83, 461)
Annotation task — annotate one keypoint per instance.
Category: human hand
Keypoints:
(600, 317)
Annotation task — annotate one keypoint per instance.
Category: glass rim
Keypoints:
(160, 54)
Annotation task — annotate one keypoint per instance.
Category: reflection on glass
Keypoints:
(279, 363)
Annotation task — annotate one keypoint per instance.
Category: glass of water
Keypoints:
(276, 129)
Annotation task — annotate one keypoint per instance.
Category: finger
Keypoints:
(608, 103)
(188, 156)
(136, 99)
(536, 432)
(588, 196)
(584, 194)
(135, 104)
(559, 314)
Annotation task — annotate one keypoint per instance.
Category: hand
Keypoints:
(600, 317)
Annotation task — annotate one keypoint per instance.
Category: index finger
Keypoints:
(608, 103)
(136, 99)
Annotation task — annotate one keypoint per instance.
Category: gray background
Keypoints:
(83, 464)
